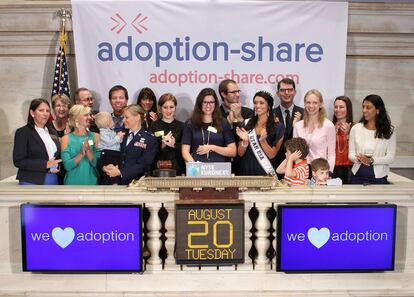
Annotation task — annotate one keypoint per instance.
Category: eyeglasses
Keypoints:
(209, 102)
(234, 92)
(87, 99)
(290, 90)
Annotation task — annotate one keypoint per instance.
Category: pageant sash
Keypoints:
(260, 154)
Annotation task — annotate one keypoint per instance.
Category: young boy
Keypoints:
(320, 174)
(295, 166)
(110, 146)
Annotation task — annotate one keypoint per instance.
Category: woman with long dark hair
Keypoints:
(260, 138)
(147, 100)
(372, 143)
(343, 121)
(36, 152)
(207, 136)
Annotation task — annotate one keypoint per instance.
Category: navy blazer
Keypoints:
(138, 156)
(288, 134)
(30, 155)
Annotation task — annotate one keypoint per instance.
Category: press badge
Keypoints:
(212, 129)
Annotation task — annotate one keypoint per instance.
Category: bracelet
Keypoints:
(243, 144)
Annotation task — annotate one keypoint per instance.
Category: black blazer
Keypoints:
(138, 156)
(278, 113)
(30, 155)
(288, 134)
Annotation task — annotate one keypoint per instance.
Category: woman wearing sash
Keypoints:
(260, 138)
(207, 136)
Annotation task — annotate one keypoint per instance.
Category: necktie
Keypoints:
(130, 137)
(288, 122)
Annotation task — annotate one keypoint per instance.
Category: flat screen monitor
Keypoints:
(81, 238)
(335, 238)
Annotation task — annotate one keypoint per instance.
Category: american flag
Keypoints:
(61, 76)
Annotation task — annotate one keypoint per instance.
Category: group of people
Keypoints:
(78, 146)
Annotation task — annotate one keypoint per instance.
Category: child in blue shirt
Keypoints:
(109, 144)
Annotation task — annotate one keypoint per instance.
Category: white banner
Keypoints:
(184, 46)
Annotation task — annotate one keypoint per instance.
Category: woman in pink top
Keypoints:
(316, 129)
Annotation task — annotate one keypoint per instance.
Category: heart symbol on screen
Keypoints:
(319, 237)
(63, 237)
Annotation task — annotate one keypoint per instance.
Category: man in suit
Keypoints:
(231, 108)
(286, 113)
(118, 98)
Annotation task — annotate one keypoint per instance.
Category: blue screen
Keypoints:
(81, 238)
(336, 238)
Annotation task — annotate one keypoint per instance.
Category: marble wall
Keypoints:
(380, 59)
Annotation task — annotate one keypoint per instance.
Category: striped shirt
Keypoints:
(301, 171)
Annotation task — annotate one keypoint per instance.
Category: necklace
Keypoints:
(340, 131)
(338, 144)
(208, 140)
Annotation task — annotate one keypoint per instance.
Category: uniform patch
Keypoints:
(140, 144)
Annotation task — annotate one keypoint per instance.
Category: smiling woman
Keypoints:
(138, 149)
(61, 106)
(207, 136)
(260, 138)
(372, 143)
(169, 131)
(316, 129)
(343, 121)
(36, 152)
(80, 149)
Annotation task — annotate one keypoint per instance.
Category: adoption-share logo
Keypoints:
(137, 23)
(319, 237)
(65, 237)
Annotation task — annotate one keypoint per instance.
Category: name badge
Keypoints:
(159, 133)
(212, 129)
(140, 144)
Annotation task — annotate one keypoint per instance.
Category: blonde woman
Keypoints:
(79, 149)
(316, 129)
(138, 148)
